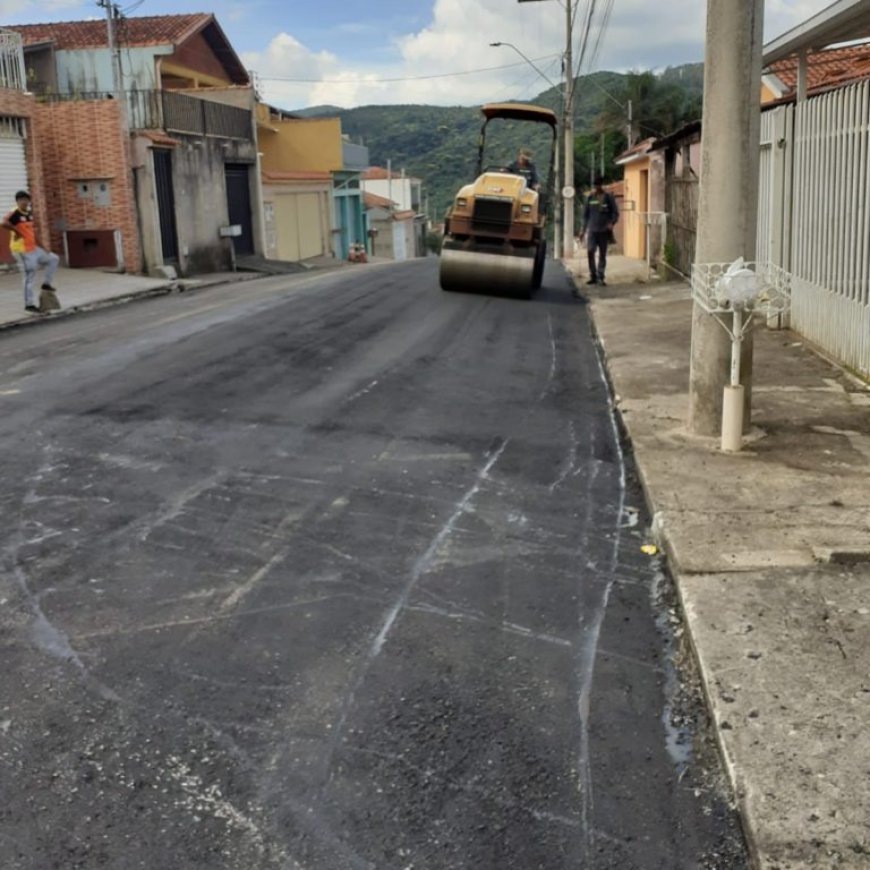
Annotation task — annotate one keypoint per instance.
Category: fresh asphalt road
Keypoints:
(333, 572)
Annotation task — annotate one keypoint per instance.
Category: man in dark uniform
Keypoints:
(600, 213)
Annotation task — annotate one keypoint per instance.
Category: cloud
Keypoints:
(21, 11)
(457, 38)
(286, 58)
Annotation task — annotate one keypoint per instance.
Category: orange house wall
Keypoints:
(81, 140)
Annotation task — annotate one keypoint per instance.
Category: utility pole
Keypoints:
(557, 221)
(111, 13)
(568, 189)
(728, 206)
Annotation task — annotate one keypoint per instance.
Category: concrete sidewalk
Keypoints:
(86, 289)
(770, 550)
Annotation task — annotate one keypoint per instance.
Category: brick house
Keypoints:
(20, 167)
(177, 155)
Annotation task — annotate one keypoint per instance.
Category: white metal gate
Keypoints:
(814, 216)
(831, 224)
(774, 186)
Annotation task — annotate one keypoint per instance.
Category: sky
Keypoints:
(436, 52)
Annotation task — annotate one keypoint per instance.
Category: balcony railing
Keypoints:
(12, 74)
(182, 113)
(176, 113)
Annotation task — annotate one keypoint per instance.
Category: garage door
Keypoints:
(13, 173)
(299, 221)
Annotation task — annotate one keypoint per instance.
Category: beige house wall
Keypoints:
(309, 144)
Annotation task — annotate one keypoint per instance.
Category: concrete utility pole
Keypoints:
(568, 189)
(557, 219)
(111, 13)
(728, 206)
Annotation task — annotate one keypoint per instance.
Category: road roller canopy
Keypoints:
(519, 112)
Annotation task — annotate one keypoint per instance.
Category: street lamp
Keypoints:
(528, 60)
(568, 124)
(556, 217)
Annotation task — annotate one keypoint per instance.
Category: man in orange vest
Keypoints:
(27, 251)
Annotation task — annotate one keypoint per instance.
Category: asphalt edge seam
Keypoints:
(750, 835)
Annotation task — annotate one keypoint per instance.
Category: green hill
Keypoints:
(438, 144)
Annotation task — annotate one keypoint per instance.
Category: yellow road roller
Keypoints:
(494, 232)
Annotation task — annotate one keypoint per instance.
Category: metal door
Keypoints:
(239, 205)
(165, 204)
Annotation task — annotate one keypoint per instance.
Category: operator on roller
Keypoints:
(523, 166)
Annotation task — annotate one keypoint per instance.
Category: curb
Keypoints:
(176, 286)
(659, 532)
(112, 301)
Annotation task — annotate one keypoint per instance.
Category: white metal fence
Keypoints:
(814, 216)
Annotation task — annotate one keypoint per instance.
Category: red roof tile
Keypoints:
(147, 30)
(826, 69)
(372, 200)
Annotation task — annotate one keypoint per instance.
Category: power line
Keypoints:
(367, 81)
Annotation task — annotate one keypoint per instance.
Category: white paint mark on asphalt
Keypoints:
(202, 798)
(48, 637)
(571, 462)
(470, 788)
(552, 374)
(426, 457)
(45, 535)
(360, 393)
(640, 663)
(507, 627)
(9, 392)
(188, 622)
(291, 519)
(131, 462)
(241, 591)
(591, 632)
(535, 635)
(420, 567)
(425, 561)
(176, 507)
(337, 506)
(51, 639)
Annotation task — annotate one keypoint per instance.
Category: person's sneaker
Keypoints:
(49, 287)
(33, 309)
(603, 283)
(592, 281)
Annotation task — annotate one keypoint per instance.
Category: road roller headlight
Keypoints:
(462, 202)
(525, 209)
